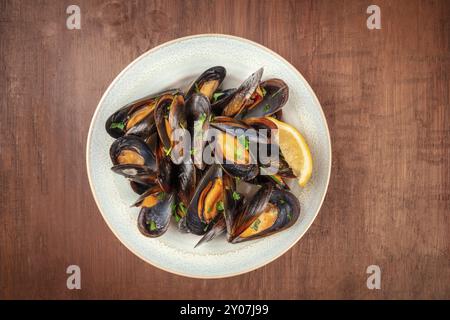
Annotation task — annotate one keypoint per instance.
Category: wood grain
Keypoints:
(385, 94)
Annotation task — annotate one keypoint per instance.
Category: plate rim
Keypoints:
(97, 110)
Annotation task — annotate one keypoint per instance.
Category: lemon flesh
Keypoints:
(295, 150)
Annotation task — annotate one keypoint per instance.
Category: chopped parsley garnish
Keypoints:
(276, 179)
(117, 125)
(192, 151)
(282, 201)
(202, 118)
(173, 207)
(167, 151)
(289, 216)
(264, 92)
(177, 217)
(236, 196)
(197, 89)
(220, 206)
(255, 225)
(244, 141)
(266, 108)
(182, 207)
(151, 225)
(217, 95)
(161, 195)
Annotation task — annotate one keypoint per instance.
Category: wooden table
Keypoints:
(385, 94)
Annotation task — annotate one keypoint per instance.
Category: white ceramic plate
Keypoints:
(175, 64)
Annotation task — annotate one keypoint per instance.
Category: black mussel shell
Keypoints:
(186, 181)
(198, 216)
(251, 224)
(139, 188)
(243, 94)
(141, 111)
(132, 150)
(236, 156)
(137, 173)
(208, 82)
(154, 218)
(216, 230)
(170, 116)
(275, 95)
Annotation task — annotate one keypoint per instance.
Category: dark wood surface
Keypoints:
(385, 94)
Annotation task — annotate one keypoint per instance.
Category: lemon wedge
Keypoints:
(295, 150)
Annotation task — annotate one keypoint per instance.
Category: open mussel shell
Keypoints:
(132, 150)
(232, 203)
(243, 94)
(156, 210)
(198, 111)
(207, 202)
(269, 211)
(208, 82)
(170, 116)
(233, 148)
(272, 95)
(135, 118)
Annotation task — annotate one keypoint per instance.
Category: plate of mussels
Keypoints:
(209, 156)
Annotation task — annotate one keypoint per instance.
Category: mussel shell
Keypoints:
(137, 145)
(170, 107)
(166, 169)
(243, 94)
(186, 181)
(121, 116)
(276, 96)
(137, 173)
(216, 73)
(216, 230)
(138, 187)
(194, 223)
(154, 221)
(234, 129)
(198, 111)
(288, 213)
(223, 98)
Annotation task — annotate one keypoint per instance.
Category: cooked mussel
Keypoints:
(135, 118)
(233, 148)
(243, 95)
(268, 99)
(207, 202)
(132, 150)
(269, 211)
(232, 203)
(156, 210)
(208, 82)
(170, 116)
